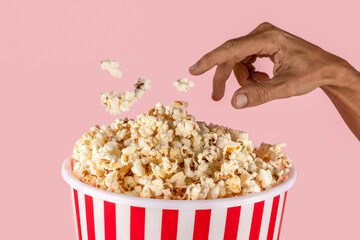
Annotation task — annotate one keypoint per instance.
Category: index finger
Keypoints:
(234, 50)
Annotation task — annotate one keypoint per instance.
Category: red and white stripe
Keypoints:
(97, 219)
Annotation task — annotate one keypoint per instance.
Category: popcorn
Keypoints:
(183, 84)
(265, 178)
(178, 180)
(138, 169)
(118, 103)
(167, 154)
(233, 185)
(112, 67)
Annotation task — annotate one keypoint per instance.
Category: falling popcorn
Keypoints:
(183, 84)
(112, 67)
(166, 154)
(118, 103)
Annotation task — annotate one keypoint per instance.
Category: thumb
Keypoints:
(261, 92)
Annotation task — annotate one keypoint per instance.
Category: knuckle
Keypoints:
(206, 57)
(274, 39)
(230, 43)
(270, 32)
(265, 25)
(209, 60)
(262, 93)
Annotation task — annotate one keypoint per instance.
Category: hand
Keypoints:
(299, 68)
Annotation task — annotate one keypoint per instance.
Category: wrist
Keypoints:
(341, 75)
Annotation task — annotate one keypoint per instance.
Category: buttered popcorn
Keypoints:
(118, 103)
(167, 154)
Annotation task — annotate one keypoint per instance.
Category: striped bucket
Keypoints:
(111, 216)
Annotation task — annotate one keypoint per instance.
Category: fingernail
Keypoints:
(193, 67)
(240, 100)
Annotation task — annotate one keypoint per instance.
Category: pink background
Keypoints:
(51, 81)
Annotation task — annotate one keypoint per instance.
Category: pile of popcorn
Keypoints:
(166, 154)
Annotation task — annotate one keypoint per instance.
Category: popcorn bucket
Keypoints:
(105, 215)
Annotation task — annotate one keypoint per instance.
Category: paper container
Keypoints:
(111, 216)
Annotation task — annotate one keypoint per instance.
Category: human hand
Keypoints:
(299, 68)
